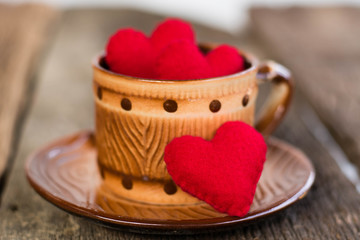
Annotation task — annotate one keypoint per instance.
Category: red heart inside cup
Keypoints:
(168, 31)
(170, 53)
(132, 53)
(129, 52)
(223, 172)
(182, 60)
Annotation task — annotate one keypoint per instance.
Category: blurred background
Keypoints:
(229, 15)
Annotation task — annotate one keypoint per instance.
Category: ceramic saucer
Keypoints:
(66, 174)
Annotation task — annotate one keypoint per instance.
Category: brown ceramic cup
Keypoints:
(136, 118)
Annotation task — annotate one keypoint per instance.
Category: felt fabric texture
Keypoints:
(182, 60)
(225, 60)
(171, 30)
(129, 52)
(132, 53)
(223, 172)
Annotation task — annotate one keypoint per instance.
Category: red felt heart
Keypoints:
(171, 30)
(225, 60)
(129, 52)
(182, 60)
(161, 56)
(132, 53)
(223, 172)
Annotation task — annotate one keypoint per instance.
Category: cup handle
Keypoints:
(278, 102)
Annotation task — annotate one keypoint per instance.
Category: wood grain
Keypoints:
(132, 141)
(322, 47)
(64, 104)
(23, 33)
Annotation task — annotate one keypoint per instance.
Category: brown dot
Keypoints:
(245, 100)
(126, 104)
(170, 187)
(215, 105)
(99, 93)
(170, 106)
(127, 182)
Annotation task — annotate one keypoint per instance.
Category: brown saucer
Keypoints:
(66, 174)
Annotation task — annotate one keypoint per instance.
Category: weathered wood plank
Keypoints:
(23, 32)
(64, 104)
(322, 46)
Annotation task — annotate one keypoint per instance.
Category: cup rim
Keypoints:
(250, 58)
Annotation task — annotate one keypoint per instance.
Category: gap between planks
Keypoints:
(24, 30)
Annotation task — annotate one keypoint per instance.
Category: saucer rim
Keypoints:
(154, 224)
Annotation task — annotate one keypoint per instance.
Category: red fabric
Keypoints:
(129, 52)
(225, 60)
(171, 30)
(132, 53)
(223, 172)
(170, 53)
(182, 60)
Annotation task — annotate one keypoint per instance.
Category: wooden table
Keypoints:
(62, 104)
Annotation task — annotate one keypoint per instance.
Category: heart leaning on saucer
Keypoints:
(223, 172)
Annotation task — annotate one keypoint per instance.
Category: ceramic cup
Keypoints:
(136, 118)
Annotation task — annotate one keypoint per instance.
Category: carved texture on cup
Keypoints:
(132, 142)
